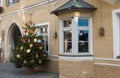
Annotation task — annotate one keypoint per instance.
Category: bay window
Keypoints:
(76, 36)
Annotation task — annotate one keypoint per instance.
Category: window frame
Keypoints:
(75, 27)
(116, 33)
(42, 25)
(1, 4)
(13, 3)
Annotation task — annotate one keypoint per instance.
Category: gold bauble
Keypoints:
(31, 45)
(28, 50)
(24, 61)
(31, 31)
(21, 48)
(41, 47)
(36, 55)
(18, 55)
(32, 61)
(35, 40)
(40, 61)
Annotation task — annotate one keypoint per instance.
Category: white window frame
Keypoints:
(42, 25)
(75, 37)
(116, 32)
(1, 4)
(11, 4)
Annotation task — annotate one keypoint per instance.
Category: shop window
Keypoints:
(75, 36)
(11, 2)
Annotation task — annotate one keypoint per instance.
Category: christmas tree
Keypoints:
(30, 51)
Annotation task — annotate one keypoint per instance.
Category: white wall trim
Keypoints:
(107, 64)
(107, 59)
(23, 9)
(116, 32)
(54, 55)
(110, 1)
(90, 58)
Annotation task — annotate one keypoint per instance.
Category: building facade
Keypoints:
(81, 36)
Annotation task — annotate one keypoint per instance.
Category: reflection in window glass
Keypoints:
(46, 43)
(82, 22)
(43, 30)
(67, 41)
(83, 41)
(67, 23)
(11, 2)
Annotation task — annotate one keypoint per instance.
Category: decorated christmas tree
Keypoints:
(30, 51)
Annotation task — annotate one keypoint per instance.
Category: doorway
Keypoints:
(12, 40)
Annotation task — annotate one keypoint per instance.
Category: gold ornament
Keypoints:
(34, 33)
(28, 50)
(31, 31)
(21, 48)
(31, 45)
(36, 55)
(41, 47)
(32, 61)
(40, 61)
(35, 40)
(18, 55)
(44, 55)
(24, 61)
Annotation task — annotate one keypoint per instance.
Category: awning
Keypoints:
(74, 5)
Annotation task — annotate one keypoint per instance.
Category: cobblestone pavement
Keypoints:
(7, 70)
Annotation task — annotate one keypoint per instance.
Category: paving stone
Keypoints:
(7, 70)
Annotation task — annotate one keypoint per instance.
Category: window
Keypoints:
(116, 32)
(75, 36)
(11, 2)
(43, 30)
(0, 2)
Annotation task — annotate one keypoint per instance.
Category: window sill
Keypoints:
(76, 57)
(66, 55)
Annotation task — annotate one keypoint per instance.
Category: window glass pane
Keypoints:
(67, 23)
(83, 41)
(10, 2)
(67, 41)
(43, 30)
(0, 3)
(82, 22)
(83, 35)
(46, 42)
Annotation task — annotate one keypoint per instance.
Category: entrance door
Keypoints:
(16, 34)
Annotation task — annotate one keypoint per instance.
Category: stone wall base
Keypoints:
(105, 71)
(76, 69)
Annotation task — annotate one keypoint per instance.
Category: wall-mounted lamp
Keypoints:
(55, 35)
(101, 31)
(2, 34)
